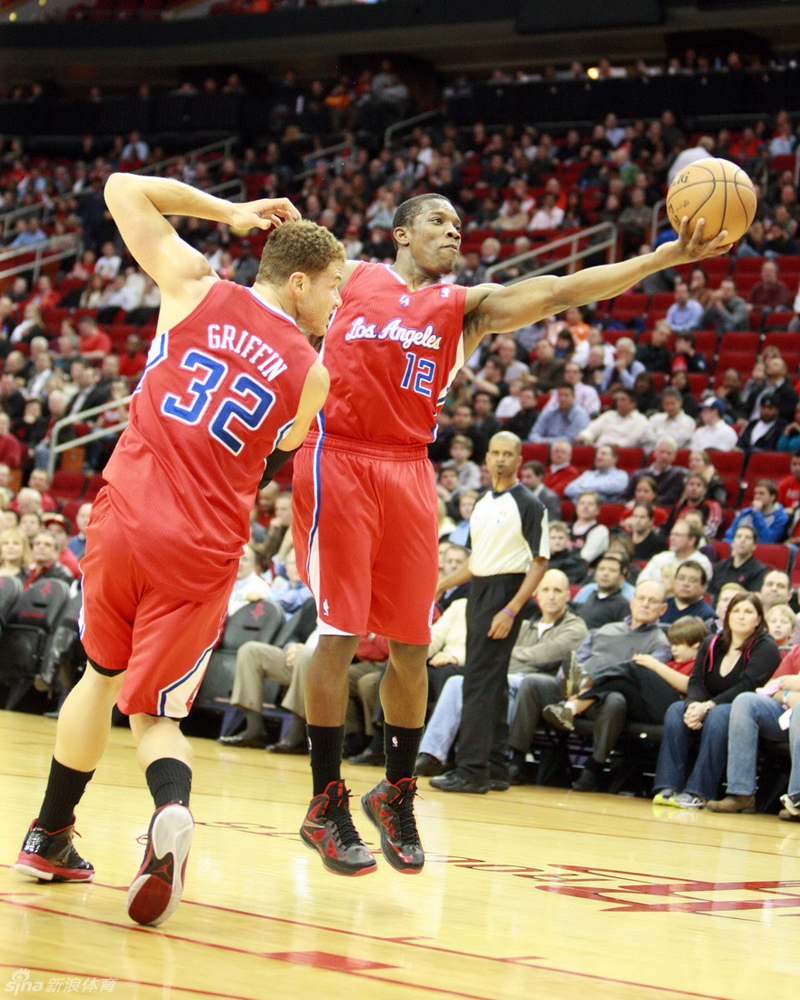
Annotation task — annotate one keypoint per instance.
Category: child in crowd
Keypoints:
(781, 623)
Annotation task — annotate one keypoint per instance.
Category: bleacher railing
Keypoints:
(93, 435)
(18, 260)
(582, 243)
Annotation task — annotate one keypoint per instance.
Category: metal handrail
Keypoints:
(659, 212)
(44, 253)
(238, 187)
(225, 144)
(609, 242)
(388, 135)
(79, 418)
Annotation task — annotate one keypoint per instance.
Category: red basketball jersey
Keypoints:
(392, 355)
(219, 392)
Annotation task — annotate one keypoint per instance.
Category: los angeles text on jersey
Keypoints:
(394, 330)
(225, 336)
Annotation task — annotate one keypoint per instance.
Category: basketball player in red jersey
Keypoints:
(231, 381)
(365, 523)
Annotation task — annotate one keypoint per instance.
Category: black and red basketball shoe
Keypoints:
(157, 889)
(329, 829)
(391, 809)
(51, 856)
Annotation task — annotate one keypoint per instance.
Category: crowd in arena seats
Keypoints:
(661, 430)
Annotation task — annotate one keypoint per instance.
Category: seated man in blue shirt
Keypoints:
(766, 516)
(687, 600)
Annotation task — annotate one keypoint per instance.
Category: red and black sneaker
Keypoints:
(157, 889)
(329, 829)
(51, 857)
(391, 809)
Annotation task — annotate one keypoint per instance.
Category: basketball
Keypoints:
(715, 190)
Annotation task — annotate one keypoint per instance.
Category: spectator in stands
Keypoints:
(790, 438)
(625, 368)
(770, 293)
(564, 557)
(639, 525)
(624, 426)
(89, 394)
(615, 643)
(673, 422)
(684, 314)
(646, 492)
(59, 527)
(522, 422)
(586, 532)
(77, 544)
(767, 517)
(605, 478)
(668, 477)
(775, 589)
(448, 647)
(698, 287)
(686, 357)
(94, 343)
(248, 585)
(453, 558)
(760, 713)
(108, 264)
(695, 497)
(700, 463)
(484, 425)
(763, 433)
(726, 310)
(585, 395)
(548, 215)
(789, 486)
(687, 597)
(135, 151)
(547, 371)
(565, 421)
(45, 562)
(781, 624)
(531, 476)
(465, 501)
(740, 658)
(39, 481)
(28, 234)
(469, 476)
(287, 589)
(11, 450)
(15, 554)
(560, 472)
(606, 598)
(714, 434)
(684, 541)
(777, 384)
(741, 566)
(654, 355)
(731, 393)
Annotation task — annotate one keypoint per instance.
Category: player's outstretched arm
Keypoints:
(138, 205)
(498, 309)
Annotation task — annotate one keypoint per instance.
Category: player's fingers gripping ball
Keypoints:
(717, 191)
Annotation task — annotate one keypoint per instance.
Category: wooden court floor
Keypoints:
(531, 893)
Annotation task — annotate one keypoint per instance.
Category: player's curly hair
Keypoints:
(298, 246)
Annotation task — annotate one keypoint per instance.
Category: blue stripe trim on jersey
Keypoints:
(159, 349)
(162, 704)
(317, 492)
(283, 431)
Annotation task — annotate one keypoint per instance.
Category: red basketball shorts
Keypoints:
(163, 644)
(365, 530)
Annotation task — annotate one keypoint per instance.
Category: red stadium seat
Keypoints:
(768, 465)
(610, 514)
(93, 487)
(583, 456)
(67, 485)
(629, 459)
(728, 463)
(776, 556)
(535, 452)
(740, 340)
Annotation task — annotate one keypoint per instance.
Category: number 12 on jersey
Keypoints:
(419, 374)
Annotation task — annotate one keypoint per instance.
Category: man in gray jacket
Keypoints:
(544, 645)
(605, 646)
(726, 310)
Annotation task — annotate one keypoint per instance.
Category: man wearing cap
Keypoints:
(762, 434)
(59, 526)
(715, 434)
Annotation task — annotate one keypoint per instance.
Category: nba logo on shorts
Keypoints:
(325, 608)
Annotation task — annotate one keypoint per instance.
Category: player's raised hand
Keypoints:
(263, 213)
(687, 249)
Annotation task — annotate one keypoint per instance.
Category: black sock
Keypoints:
(169, 781)
(325, 744)
(65, 787)
(401, 747)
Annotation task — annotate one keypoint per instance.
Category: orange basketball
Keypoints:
(717, 191)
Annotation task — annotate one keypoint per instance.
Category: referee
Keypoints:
(510, 548)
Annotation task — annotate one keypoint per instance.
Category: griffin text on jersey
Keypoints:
(222, 337)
